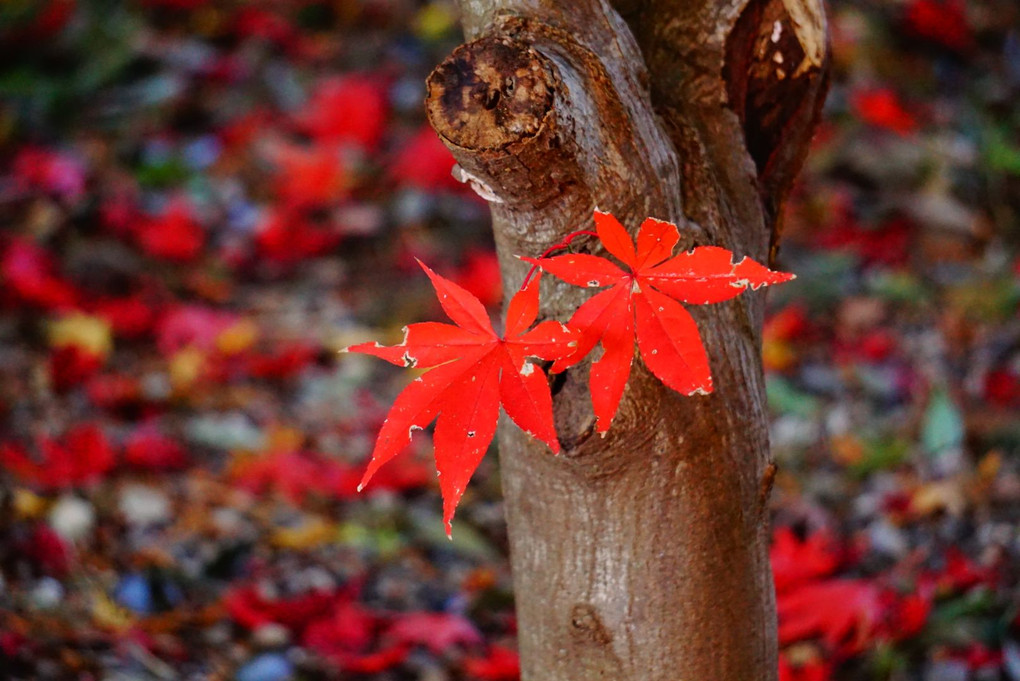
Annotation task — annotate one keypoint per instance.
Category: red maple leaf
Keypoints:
(500, 664)
(424, 162)
(882, 108)
(642, 302)
(814, 669)
(350, 110)
(148, 448)
(475, 371)
(71, 365)
(437, 631)
(307, 177)
(27, 271)
(84, 456)
(795, 561)
(846, 614)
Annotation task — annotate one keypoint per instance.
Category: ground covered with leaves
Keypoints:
(203, 200)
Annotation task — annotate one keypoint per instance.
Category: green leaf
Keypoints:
(1000, 154)
(784, 398)
(881, 454)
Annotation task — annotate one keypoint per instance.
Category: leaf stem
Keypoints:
(556, 247)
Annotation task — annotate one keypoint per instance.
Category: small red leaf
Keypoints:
(462, 307)
(670, 344)
(610, 372)
(414, 409)
(524, 393)
(581, 269)
(708, 275)
(655, 242)
(466, 426)
(615, 238)
(425, 344)
(522, 309)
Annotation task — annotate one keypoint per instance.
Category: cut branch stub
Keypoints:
(490, 93)
(494, 102)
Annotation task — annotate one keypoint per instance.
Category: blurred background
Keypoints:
(201, 201)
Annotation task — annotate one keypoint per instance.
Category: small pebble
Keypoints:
(271, 635)
(947, 670)
(142, 505)
(134, 592)
(72, 517)
(266, 667)
(888, 539)
(47, 593)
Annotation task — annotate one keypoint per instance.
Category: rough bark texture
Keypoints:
(644, 554)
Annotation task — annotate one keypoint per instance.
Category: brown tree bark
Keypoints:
(644, 554)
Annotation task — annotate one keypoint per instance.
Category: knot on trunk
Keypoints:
(586, 624)
(490, 93)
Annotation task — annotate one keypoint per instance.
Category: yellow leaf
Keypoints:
(778, 355)
(847, 449)
(238, 337)
(309, 534)
(108, 614)
(28, 504)
(186, 367)
(944, 495)
(84, 331)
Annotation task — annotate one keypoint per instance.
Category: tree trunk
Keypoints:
(644, 554)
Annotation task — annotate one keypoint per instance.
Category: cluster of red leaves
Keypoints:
(844, 615)
(148, 448)
(297, 475)
(306, 176)
(288, 236)
(50, 172)
(812, 669)
(425, 163)
(362, 640)
(888, 243)
(474, 371)
(85, 455)
(72, 365)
